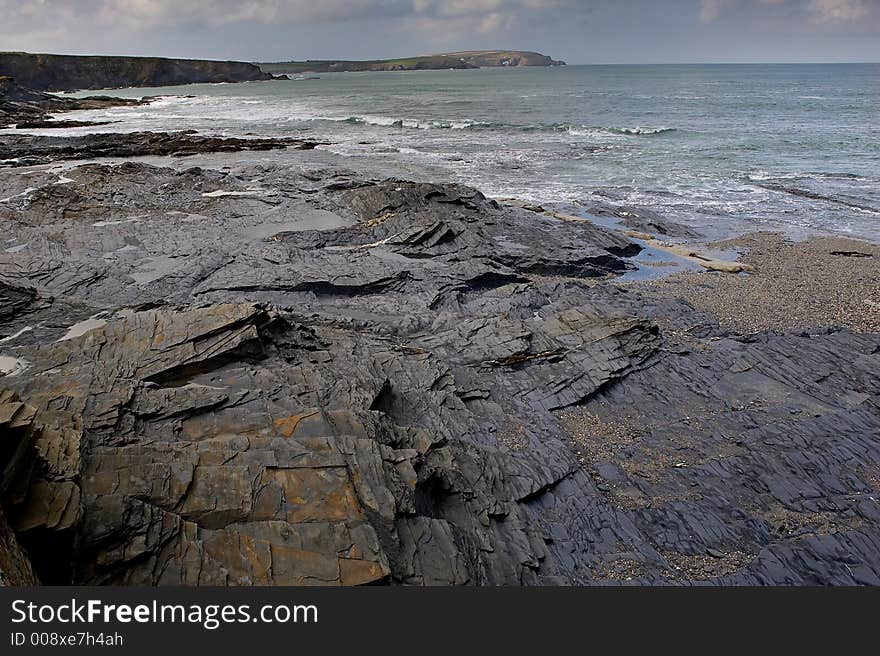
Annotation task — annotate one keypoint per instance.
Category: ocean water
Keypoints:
(719, 147)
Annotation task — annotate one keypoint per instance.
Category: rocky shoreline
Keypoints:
(24, 106)
(26, 80)
(26, 150)
(288, 374)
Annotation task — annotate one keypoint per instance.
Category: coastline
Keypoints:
(489, 131)
(454, 390)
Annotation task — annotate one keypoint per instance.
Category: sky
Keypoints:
(579, 31)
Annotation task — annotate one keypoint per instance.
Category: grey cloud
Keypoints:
(305, 11)
(576, 30)
(826, 13)
(37, 21)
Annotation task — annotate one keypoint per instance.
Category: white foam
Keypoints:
(393, 122)
(642, 131)
(598, 132)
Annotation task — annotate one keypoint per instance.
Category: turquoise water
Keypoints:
(718, 147)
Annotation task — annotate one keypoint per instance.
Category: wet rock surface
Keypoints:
(643, 220)
(28, 150)
(284, 375)
(26, 107)
(50, 124)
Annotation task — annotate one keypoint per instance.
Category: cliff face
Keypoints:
(72, 72)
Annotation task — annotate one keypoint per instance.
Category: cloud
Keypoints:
(24, 23)
(490, 13)
(828, 13)
(711, 10)
(51, 24)
(478, 16)
(374, 28)
(839, 11)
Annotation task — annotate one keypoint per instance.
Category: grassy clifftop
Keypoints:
(430, 62)
(489, 58)
(455, 60)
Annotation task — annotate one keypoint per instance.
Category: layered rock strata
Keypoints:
(284, 376)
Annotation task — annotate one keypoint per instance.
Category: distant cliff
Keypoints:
(73, 72)
(455, 60)
(428, 62)
(490, 58)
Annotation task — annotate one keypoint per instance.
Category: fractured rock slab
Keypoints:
(331, 380)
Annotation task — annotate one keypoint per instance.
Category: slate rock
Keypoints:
(281, 376)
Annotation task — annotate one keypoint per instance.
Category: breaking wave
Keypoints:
(390, 122)
(467, 124)
(601, 131)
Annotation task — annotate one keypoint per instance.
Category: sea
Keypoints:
(721, 148)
